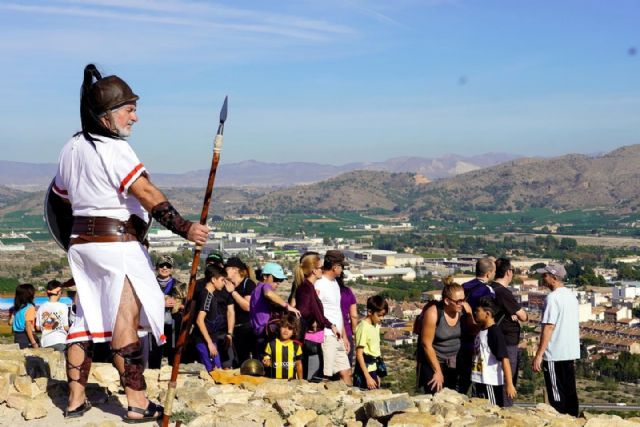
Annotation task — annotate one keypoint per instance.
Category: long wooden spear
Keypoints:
(190, 306)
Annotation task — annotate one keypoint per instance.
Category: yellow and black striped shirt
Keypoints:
(283, 358)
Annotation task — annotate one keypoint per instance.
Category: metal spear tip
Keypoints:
(223, 111)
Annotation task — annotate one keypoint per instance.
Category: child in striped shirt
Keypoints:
(283, 355)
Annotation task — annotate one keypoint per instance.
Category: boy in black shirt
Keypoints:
(215, 321)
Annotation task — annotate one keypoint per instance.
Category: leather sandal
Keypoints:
(148, 414)
(79, 411)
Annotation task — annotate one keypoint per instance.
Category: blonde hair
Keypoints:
(303, 270)
(450, 287)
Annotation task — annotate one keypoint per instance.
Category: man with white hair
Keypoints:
(110, 195)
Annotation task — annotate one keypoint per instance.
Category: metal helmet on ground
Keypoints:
(252, 367)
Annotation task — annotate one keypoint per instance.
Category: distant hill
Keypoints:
(610, 181)
(251, 173)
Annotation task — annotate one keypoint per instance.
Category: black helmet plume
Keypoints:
(99, 97)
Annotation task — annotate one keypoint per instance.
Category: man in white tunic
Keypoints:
(110, 195)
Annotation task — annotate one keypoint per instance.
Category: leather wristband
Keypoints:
(170, 218)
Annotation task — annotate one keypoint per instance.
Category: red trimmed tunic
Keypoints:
(95, 178)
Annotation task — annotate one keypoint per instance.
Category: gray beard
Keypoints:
(123, 132)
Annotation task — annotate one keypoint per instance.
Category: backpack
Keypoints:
(417, 324)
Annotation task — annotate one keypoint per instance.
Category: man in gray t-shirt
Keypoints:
(559, 345)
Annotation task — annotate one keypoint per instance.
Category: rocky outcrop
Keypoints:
(32, 385)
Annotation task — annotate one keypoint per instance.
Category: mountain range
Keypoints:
(609, 181)
(251, 173)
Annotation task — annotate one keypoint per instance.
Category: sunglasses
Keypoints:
(165, 265)
(457, 301)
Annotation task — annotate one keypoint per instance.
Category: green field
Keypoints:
(575, 222)
(309, 224)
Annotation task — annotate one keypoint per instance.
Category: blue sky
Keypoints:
(329, 81)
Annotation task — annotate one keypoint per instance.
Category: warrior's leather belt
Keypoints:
(100, 229)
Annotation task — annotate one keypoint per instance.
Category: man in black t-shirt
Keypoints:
(509, 316)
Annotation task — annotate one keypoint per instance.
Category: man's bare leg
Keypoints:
(76, 356)
(125, 333)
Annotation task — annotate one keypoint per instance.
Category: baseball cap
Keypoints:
(335, 257)
(235, 262)
(274, 269)
(556, 269)
(215, 257)
(165, 259)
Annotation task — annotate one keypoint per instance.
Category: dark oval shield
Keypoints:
(59, 217)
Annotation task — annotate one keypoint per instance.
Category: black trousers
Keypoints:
(244, 341)
(560, 380)
(425, 373)
(464, 365)
(494, 393)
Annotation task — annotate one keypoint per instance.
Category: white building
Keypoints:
(584, 312)
(624, 293)
(407, 274)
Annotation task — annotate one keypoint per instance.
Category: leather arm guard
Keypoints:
(169, 217)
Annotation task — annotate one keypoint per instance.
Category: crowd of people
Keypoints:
(469, 339)
(315, 334)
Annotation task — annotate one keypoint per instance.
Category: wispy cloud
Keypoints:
(190, 14)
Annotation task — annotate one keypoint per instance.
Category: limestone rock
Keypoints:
(302, 418)
(415, 420)
(23, 386)
(45, 362)
(105, 373)
(165, 373)
(273, 390)
(34, 409)
(285, 407)
(450, 396)
(195, 398)
(321, 403)
(17, 401)
(5, 388)
(383, 407)
(151, 376)
(321, 421)
(447, 410)
(12, 366)
(353, 423)
(609, 421)
(372, 422)
(486, 421)
(240, 396)
(42, 384)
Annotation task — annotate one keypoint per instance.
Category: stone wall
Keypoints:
(32, 384)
